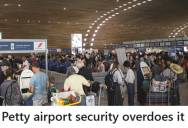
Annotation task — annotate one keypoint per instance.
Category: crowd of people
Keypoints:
(79, 69)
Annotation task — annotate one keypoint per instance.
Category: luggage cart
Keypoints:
(158, 94)
(92, 99)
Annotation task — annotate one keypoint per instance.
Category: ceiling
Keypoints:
(55, 20)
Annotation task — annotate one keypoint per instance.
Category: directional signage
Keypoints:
(23, 45)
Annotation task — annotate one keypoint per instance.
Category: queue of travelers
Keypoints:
(127, 80)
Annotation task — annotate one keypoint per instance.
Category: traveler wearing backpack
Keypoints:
(10, 91)
(114, 80)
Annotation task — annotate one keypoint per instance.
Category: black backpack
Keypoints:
(109, 80)
(12, 94)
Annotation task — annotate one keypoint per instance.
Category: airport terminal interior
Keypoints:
(93, 52)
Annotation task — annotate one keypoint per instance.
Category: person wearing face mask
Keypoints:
(85, 72)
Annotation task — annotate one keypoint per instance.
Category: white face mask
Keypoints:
(79, 65)
(4, 68)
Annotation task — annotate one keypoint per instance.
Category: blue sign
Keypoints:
(16, 46)
(180, 43)
(21, 46)
(4, 46)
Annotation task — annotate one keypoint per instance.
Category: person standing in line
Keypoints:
(38, 86)
(25, 64)
(118, 81)
(130, 81)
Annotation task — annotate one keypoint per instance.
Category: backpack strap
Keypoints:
(7, 91)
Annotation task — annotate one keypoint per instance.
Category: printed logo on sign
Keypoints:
(12, 46)
(39, 45)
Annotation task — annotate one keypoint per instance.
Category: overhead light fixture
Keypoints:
(143, 2)
(104, 22)
(6, 4)
(86, 35)
(93, 39)
(134, 6)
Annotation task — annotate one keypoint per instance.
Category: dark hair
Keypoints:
(36, 65)
(126, 64)
(52, 79)
(115, 64)
(8, 73)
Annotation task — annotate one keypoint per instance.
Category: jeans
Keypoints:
(131, 91)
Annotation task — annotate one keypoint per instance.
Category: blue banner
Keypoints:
(16, 46)
(5, 46)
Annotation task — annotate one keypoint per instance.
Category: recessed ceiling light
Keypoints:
(88, 30)
(19, 5)
(6, 4)
(134, 6)
(96, 31)
(93, 39)
(143, 2)
(86, 35)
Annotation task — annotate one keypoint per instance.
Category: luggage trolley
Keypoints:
(159, 93)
